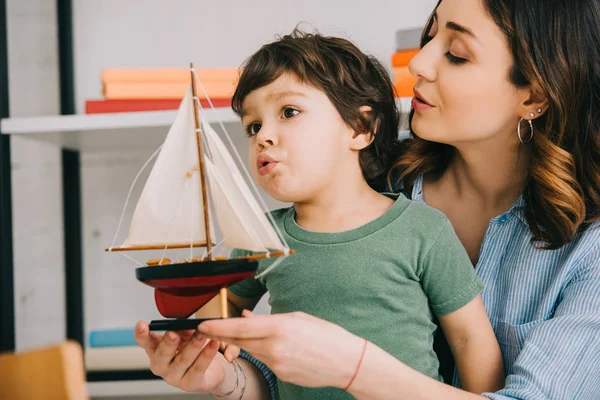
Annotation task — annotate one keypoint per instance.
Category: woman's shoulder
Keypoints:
(587, 243)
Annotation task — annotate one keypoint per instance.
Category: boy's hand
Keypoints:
(230, 352)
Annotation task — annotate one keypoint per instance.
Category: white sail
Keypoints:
(242, 221)
(170, 209)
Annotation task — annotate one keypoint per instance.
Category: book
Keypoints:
(182, 75)
(404, 82)
(135, 105)
(112, 338)
(116, 358)
(162, 90)
(403, 57)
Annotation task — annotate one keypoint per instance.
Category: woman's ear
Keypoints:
(361, 140)
(535, 102)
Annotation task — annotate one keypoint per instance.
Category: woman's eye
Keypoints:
(289, 112)
(253, 129)
(455, 60)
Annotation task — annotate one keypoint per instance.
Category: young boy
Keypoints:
(322, 124)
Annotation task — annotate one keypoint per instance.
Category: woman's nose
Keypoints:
(423, 64)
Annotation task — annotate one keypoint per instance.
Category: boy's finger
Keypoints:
(259, 326)
(223, 346)
(231, 353)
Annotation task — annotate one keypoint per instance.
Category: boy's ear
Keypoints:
(360, 140)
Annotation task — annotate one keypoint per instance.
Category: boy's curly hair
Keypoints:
(350, 79)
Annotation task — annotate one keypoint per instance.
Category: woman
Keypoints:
(506, 143)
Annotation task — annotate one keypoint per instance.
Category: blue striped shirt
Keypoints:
(544, 306)
(265, 371)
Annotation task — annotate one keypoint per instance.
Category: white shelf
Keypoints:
(98, 132)
(122, 389)
(101, 132)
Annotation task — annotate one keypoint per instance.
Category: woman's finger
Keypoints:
(146, 339)
(185, 358)
(164, 354)
(198, 368)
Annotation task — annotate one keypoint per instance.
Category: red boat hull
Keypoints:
(180, 290)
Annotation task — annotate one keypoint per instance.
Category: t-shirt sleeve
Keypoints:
(250, 288)
(447, 275)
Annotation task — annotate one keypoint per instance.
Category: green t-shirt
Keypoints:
(384, 281)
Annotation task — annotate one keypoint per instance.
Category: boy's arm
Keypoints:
(474, 347)
(242, 296)
(453, 288)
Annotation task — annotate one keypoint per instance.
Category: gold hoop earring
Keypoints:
(519, 131)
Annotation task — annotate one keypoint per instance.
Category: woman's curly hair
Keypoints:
(555, 49)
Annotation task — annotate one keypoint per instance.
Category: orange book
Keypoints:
(161, 90)
(402, 58)
(113, 75)
(136, 105)
(404, 82)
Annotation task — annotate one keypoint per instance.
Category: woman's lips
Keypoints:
(418, 105)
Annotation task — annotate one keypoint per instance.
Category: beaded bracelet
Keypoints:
(237, 383)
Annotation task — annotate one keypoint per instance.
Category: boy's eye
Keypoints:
(289, 112)
(253, 129)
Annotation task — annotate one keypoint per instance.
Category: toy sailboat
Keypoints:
(194, 177)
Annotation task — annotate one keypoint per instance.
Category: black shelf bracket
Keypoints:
(7, 294)
(71, 182)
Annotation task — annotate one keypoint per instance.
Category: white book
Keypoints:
(116, 358)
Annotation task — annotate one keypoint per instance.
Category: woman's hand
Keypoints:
(185, 359)
(297, 347)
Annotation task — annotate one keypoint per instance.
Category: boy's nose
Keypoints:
(266, 137)
(265, 143)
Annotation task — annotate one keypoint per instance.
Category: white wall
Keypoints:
(221, 33)
(128, 33)
(36, 178)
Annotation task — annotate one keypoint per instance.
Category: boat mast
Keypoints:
(201, 166)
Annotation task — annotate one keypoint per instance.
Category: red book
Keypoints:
(115, 106)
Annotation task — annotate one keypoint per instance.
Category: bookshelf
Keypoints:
(104, 132)
(120, 389)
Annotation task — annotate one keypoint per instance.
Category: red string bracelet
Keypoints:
(357, 367)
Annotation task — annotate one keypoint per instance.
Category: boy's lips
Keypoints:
(265, 164)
